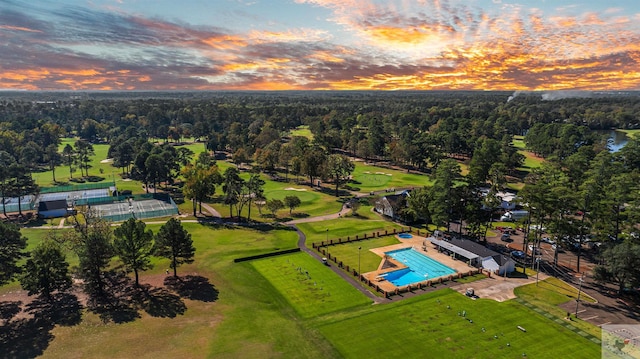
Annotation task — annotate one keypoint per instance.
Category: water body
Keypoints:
(615, 140)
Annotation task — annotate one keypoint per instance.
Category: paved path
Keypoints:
(609, 309)
(211, 210)
(343, 211)
(496, 288)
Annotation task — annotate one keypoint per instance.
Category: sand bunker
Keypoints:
(108, 160)
(295, 189)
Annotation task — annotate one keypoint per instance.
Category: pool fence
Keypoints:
(322, 247)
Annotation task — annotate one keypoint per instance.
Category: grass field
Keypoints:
(373, 178)
(551, 292)
(269, 309)
(248, 319)
(631, 133)
(343, 227)
(311, 289)
(433, 326)
(302, 131)
(314, 203)
(531, 161)
(369, 261)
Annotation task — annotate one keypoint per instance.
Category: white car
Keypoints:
(534, 250)
(547, 240)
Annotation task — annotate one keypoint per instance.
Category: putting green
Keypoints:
(373, 179)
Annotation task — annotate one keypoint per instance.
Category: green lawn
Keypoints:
(423, 326)
(96, 167)
(373, 178)
(302, 131)
(518, 142)
(631, 133)
(343, 227)
(269, 309)
(369, 261)
(531, 161)
(249, 319)
(311, 288)
(314, 203)
(550, 293)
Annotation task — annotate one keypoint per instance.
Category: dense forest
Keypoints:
(412, 128)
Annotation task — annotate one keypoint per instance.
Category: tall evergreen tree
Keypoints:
(47, 271)
(12, 245)
(174, 242)
(134, 245)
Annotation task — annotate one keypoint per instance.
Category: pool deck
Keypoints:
(421, 245)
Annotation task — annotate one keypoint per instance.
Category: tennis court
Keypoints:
(121, 211)
(76, 196)
(10, 204)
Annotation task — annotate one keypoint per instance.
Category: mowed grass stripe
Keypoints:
(310, 287)
(424, 327)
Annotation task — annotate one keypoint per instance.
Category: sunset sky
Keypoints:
(319, 44)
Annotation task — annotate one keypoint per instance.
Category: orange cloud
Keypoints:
(24, 75)
(400, 35)
(225, 42)
(17, 28)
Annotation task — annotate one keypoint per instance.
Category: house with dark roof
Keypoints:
(53, 209)
(475, 254)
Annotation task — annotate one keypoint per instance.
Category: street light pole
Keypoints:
(359, 248)
(327, 235)
(538, 272)
(579, 292)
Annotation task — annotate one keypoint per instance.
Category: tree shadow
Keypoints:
(8, 310)
(25, 337)
(193, 287)
(64, 309)
(115, 305)
(29, 336)
(159, 302)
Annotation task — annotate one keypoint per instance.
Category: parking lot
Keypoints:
(567, 260)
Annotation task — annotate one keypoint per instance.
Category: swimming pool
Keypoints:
(420, 268)
(405, 235)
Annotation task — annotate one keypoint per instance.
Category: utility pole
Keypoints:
(538, 272)
(579, 292)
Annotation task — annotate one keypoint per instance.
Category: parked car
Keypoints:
(505, 237)
(535, 228)
(518, 254)
(557, 248)
(534, 250)
(547, 240)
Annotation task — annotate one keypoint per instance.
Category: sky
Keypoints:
(526, 45)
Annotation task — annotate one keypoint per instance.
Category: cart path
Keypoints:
(211, 210)
(343, 211)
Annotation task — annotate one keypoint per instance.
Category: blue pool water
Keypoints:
(405, 235)
(420, 267)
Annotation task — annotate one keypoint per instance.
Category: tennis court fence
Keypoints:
(78, 187)
(141, 215)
